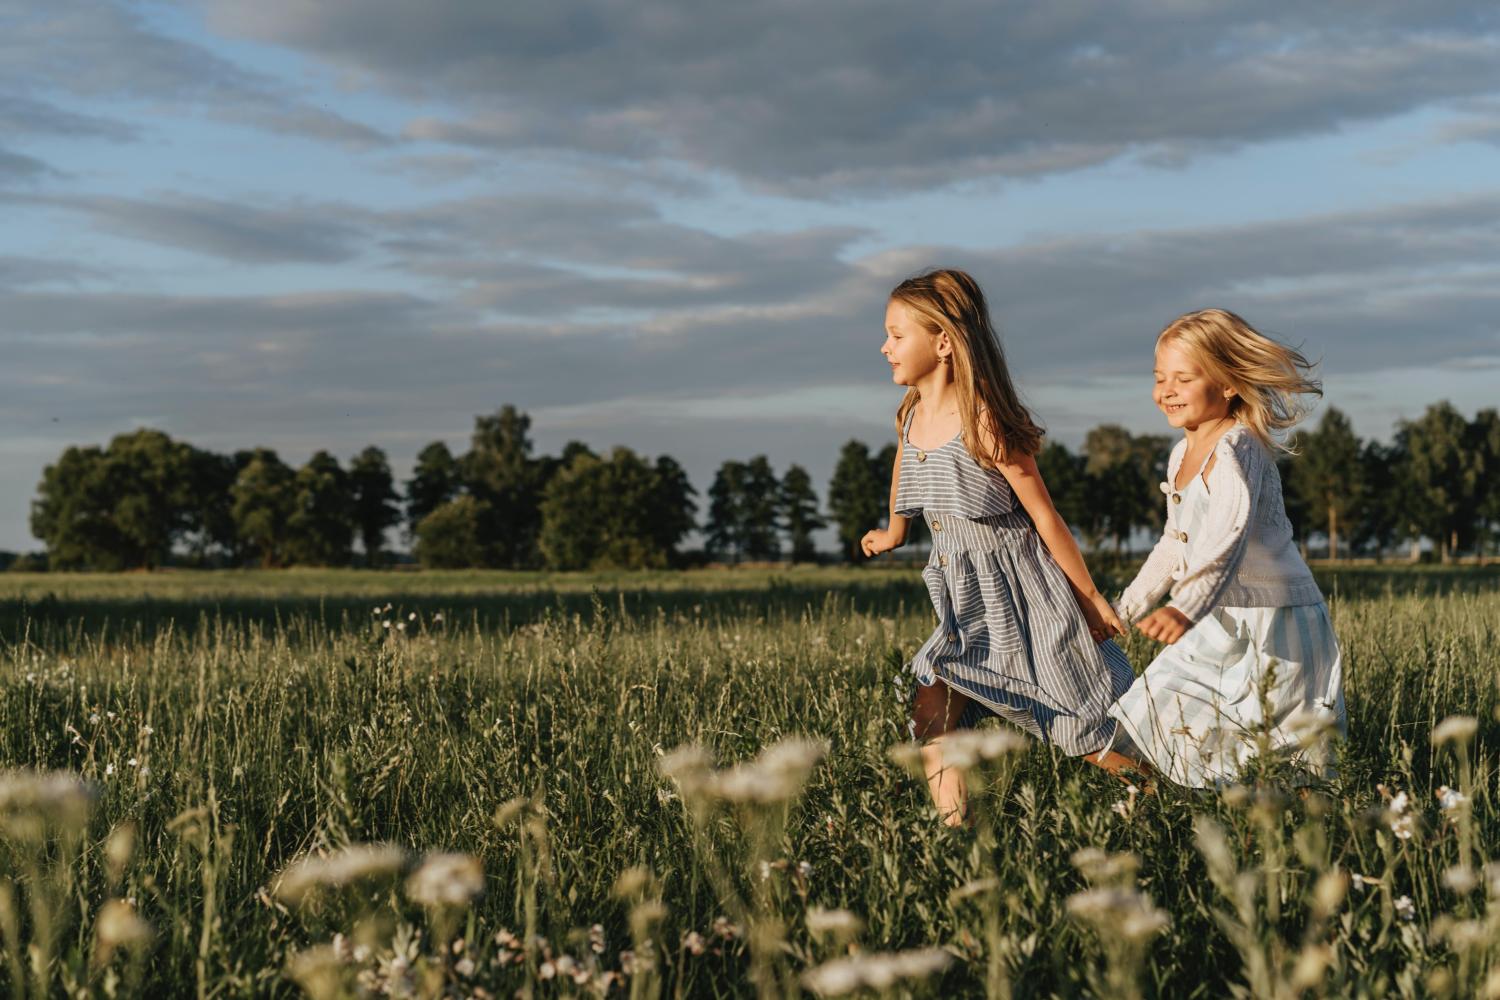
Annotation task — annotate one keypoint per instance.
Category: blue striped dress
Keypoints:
(1010, 634)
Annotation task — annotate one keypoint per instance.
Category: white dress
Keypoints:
(1241, 680)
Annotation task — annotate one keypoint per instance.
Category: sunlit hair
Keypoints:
(949, 301)
(1271, 381)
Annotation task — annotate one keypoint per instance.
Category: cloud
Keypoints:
(845, 95)
(20, 115)
(20, 167)
(24, 272)
(234, 231)
(95, 49)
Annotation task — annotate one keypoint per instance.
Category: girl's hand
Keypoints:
(1100, 617)
(878, 541)
(1165, 625)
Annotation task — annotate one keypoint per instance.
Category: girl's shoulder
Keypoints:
(1244, 450)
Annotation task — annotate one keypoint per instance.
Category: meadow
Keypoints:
(335, 783)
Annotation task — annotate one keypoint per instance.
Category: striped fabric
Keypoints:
(1241, 679)
(1010, 635)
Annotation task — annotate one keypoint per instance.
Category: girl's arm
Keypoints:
(1026, 480)
(894, 534)
(1152, 581)
(1236, 477)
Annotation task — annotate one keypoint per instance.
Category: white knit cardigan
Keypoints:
(1243, 556)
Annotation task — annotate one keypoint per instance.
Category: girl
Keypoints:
(1008, 589)
(1257, 656)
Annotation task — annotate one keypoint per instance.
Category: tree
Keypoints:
(499, 472)
(672, 505)
(603, 513)
(761, 513)
(265, 497)
(858, 499)
(1067, 484)
(1484, 443)
(210, 529)
(116, 508)
(724, 536)
(1117, 483)
(375, 501)
(434, 482)
(1383, 515)
(321, 525)
(1445, 474)
(799, 513)
(73, 513)
(1327, 474)
(448, 537)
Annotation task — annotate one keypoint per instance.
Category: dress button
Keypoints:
(921, 456)
(952, 637)
(937, 525)
(942, 560)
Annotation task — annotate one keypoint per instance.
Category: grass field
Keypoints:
(508, 732)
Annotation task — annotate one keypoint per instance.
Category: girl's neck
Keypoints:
(1207, 432)
(936, 392)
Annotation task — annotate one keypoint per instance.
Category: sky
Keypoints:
(673, 225)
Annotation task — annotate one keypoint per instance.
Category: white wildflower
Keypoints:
(341, 868)
(833, 923)
(1360, 881)
(412, 617)
(58, 797)
(596, 939)
(438, 617)
(464, 967)
(776, 774)
(878, 971)
(1406, 910)
(1124, 913)
(1101, 867)
(1450, 799)
(118, 924)
(94, 719)
(1455, 729)
(1461, 879)
(401, 626)
(693, 943)
(968, 747)
(804, 868)
(385, 624)
(109, 769)
(446, 880)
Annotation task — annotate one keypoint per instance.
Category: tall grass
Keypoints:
(221, 741)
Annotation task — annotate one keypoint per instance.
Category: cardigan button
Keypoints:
(1182, 536)
(1177, 498)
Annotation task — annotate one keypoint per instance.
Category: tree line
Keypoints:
(145, 499)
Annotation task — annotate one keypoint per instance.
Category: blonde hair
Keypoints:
(949, 301)
(1270, 380)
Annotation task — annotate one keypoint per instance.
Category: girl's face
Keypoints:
(1183, 392)
(912, 351)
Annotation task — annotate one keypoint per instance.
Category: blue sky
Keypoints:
(672, 226)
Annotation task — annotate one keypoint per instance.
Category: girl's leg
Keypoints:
(1121, 765)
(936, 709)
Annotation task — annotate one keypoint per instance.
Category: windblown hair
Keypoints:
(1271, 381)
(949, 301)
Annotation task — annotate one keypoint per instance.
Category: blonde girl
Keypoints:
(1251, 659)
(1022, 632)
